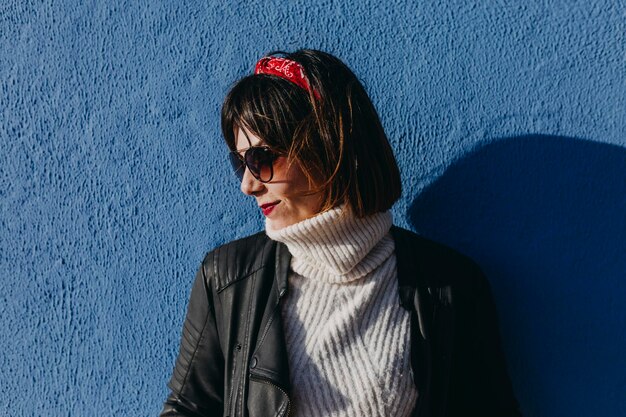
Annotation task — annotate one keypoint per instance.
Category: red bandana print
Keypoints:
(284, 68)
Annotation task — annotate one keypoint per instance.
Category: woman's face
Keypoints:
(281, 200)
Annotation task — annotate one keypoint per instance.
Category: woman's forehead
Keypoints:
(244, 138)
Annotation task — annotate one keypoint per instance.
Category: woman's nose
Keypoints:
(249, 184)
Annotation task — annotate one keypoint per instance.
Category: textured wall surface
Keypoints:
(508, 119)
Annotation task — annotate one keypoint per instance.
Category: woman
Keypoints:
(331, 310)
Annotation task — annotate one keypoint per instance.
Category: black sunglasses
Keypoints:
(258, 159)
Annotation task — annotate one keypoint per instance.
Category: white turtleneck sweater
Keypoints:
(347, 335)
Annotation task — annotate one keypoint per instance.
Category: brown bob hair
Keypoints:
(335, 134)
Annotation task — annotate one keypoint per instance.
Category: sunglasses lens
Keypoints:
(237, 163)
(259, 161)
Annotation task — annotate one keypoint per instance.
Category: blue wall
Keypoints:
(508, 120)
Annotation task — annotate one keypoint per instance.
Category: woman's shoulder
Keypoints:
(238, 258)
(434, 262)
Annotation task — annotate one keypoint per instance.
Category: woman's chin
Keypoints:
(276, 223)
(278, 220)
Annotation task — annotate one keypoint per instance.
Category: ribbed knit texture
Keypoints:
(347, 336)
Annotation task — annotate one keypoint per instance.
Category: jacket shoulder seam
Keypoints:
(237, 260)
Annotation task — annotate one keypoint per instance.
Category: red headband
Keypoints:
(284, 68)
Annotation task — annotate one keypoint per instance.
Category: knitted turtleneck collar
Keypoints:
(335, 246)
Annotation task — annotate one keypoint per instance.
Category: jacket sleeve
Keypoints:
(497, 391)
(197, 381)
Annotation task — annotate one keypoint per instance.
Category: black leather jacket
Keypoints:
(233, 358)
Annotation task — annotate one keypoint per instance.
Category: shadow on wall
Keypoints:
(545, 217)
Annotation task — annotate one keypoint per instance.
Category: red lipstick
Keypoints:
(267, 208)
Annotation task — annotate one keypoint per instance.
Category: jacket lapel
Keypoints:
(415, 297)
(269, 367)
(426, 292)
